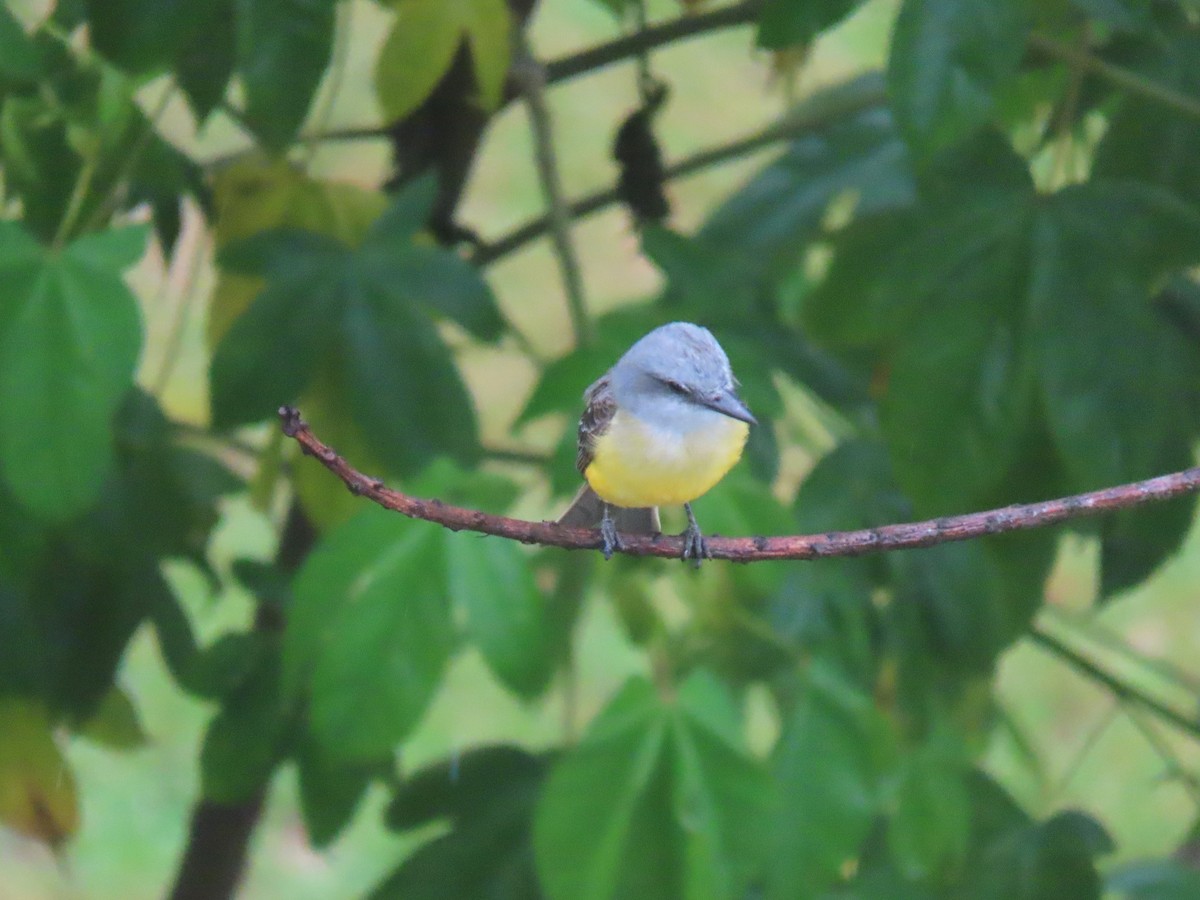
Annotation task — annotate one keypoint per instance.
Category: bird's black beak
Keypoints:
(728, 403)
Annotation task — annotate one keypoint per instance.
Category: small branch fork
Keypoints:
(751, 549)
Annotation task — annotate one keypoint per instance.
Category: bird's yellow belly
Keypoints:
(636, 464)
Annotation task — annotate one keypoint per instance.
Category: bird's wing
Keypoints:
(598, 409)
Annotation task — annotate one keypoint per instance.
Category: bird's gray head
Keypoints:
(676, 371)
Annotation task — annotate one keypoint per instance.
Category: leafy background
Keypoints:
(961, 281)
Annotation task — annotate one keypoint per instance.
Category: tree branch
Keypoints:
(1119, 688)
(530, 79)
(640, 41)
(752, 549)
(859, 95)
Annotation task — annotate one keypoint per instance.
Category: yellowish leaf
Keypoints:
(417, 53)
(37, 788)
(488, 30)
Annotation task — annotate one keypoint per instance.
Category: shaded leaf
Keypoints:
(948, 57)
(282, 50)
(784, 23)
(115, 723)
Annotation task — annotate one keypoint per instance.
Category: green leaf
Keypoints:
(786, 23)
(1134, 543)
(928, 833)
(69, 340)
(282, 50)
(976, 355)
(406, 394)
(19, 56)
(245, 740)
(1151, 143)
(828, 765)
(204, 63)
(144, 35)
(492, 581)
(488, 794)
(269, 355)
(359, 311)
(780, 210)
(330, 790)
(948, 58)
(655, 802)
(1114, 375)
(369, 634)
(1122, 15)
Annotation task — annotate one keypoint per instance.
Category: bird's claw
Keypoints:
(609, 535)
(695, 547)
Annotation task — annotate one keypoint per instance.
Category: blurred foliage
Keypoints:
(975, 265)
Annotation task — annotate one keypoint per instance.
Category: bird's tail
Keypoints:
(587, 509)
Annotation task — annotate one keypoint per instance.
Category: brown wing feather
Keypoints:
(598, 409)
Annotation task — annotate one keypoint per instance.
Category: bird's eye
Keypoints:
(675, 387)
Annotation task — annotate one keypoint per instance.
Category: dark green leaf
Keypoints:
(956, 593)
(1152, 143)
(204, 63)
(69, 341)
(246, 739)
(269, 355)
(1114, 374)
(961, 390)
(19, 56)
(405, 392)
(829, 765)
(330, 790)
(492, 580)
(948, 58)
(144, 35)
(369, 634)
(488, 794)
(780, 210)
(1134, 543)
(785, 23)
(282, 49)
(439, 281)
(23, 658)
(40, 165)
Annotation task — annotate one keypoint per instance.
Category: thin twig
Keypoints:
(751, 549)
(639, 42)
(1088, 668)
(530, 77)
(787, 129)
(1121, 77)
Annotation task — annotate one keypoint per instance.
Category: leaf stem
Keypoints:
(859, 96)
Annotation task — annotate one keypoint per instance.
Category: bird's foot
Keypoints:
(609, 534)
(694, 546)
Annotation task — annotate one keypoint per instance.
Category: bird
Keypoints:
(660, 428)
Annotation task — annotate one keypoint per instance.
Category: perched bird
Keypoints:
(661, 427)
